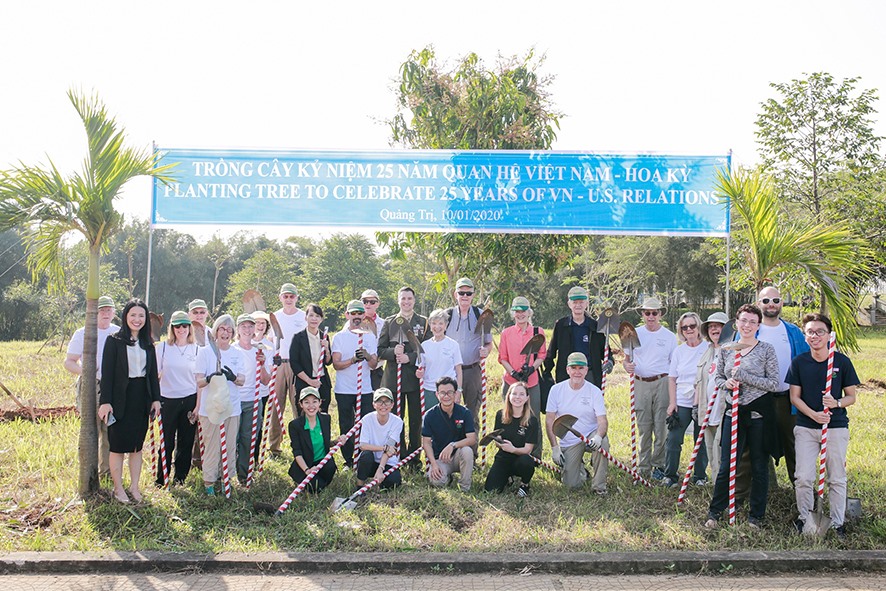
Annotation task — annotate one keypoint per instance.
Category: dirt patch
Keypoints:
(874, 384)
(23, 520)
(40, 414)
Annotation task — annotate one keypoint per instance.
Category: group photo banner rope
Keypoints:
(446, 191)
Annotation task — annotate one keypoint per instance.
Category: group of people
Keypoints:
(407, 383)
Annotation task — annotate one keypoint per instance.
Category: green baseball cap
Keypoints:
(309, 391)
(245, 318)
(576, 358)
(179, 317)
(382, 393)
(464, 282)
(197, 304)
(355, 306)
(578, 293)
(519, 304)
(288, 288)
(106, 302)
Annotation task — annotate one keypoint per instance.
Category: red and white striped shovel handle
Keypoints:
(702, 427)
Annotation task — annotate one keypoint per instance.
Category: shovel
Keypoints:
(627, 334)
(366, 326)
(253, 302)
(818, 523)
(350, 503)
(564, 424)
(607, 323)
(156, 326)
(727, 333)
(496, 437)
(199, 333)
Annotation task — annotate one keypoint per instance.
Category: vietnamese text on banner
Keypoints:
(443, 191)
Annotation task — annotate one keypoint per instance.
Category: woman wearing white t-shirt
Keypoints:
(442, 357)
(177, 363)
(681, 391)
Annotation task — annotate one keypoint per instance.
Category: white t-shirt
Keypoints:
(247, 390)
(177, 366)
(440, 359)
(345, 343)
(684, 367)
(585, 404)
(75, 345)
(268, 347)
(289, 325)
(235, 360)
(653, 356)
(373, 433)
(777, 336)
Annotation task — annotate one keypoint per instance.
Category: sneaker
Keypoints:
(669, 482)
(210, 491)
(523, 491)
(701, 481)
(711, 523)
(755, 523)
(601, 492)
(658, 474)
(799, 525)
(840, 530)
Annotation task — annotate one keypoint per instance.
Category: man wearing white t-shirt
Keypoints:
(650, 365)
(291, 321)
(789, 342)
(106, 311)
(379, 437)
(584, 401)
(352, 363)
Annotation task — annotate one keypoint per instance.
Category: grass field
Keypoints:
(39, 508)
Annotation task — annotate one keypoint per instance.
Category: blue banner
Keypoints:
(443, 191)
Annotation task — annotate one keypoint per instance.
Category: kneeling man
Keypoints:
(584, 401)
(448, 436)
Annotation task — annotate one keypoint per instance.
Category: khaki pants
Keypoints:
(652, 409)
(285, 389)
(462, 462)
(574, 473)
(808, 445)
(212, 468)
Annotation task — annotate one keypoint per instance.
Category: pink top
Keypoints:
(512, 342)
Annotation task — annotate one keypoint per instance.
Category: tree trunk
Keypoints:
(88, 442)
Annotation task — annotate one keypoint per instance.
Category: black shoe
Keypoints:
(798, 525)
(523, 491)
(755, 523)
(840, 530)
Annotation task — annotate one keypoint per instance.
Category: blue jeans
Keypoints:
(752, 437)
(675, 447)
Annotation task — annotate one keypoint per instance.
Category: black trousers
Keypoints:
(347, 409)
(410, 408)
(320, 481)
(505, 466)
(178, 435)
(367, 467)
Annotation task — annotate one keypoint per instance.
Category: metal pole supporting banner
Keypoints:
(151, 232)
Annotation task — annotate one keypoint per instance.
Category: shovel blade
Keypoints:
(340, 504)
(278, 332)
(253, 302)
(534, 344)
(627, 334)
(563, 425)
(727, 333)
(608, 321)
(484, 322)
(817, 525)
(490, 437)
(413, 340)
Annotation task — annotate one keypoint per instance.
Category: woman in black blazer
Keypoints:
(130, 394)
(304, 357)
(310, 436)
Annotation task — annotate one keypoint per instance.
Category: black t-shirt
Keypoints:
(811, 376)
(516, 433)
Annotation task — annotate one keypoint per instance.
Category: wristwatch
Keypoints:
(839, 404)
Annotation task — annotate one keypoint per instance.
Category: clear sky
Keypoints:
(645, 76)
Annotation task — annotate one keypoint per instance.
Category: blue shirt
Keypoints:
(581, 336)
(444, 429)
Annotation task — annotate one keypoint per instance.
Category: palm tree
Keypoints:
(45, 206)
(836, 261)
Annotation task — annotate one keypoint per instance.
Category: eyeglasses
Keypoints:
(749, 322)
(816, 333)
(370, 302)
(445, 393)
(466, 293)
(767, 300)
(650, 312)
(387, 401)
(355, 313)
(689, 327)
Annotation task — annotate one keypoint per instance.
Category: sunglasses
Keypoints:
(466, 293)
(689, 327)
(181, 326)
(767, 300)
(370, 302)
(650, 312)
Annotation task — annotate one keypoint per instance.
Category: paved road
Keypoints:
(442, 582)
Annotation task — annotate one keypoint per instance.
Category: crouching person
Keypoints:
(379, 435)
(584, 401)
(448, 436)
(519, 433)
(310, 437)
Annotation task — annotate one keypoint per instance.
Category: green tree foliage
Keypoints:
(834, 260)
(339, 270)
(46, 205)
(813, 132)
(264, 271)
(470, 106)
